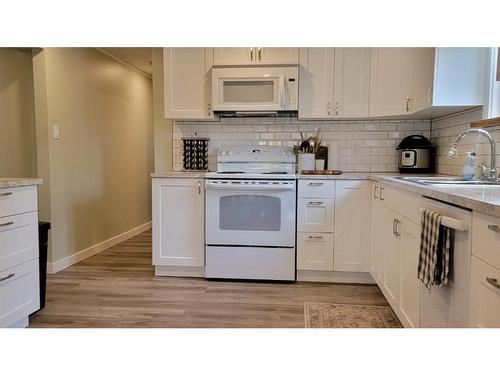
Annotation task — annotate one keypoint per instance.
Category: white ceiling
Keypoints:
(139, 58)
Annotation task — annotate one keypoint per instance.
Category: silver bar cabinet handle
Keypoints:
(315, 237)
(381, 196)
(375, 192)
(5, 194)
(6, 224)
(251, 54)
(10, 275)
(315, 203)
(315, 183)
(260, 55)
(493, 282)
(199, 187)
(494, 228)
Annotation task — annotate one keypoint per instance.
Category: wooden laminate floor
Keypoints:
(117, 288)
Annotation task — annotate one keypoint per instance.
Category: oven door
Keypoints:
(250, 213)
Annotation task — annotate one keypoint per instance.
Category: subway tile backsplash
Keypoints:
(444, 132)
(361, 145)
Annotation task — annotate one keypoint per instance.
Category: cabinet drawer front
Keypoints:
(485, 295)
(316, 189)
(405, 204)
(486, 238)
(18, 239)
(315, 215)
(19, 200)
(315, 251)
(19, 292)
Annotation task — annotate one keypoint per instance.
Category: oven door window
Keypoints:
(250, 213)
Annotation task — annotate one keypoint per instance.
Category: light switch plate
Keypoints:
(57, 132)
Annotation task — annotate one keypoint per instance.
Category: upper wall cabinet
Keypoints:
(426, 81)
(334, 82)
(391, 83)
(255, 55)
(188, 83)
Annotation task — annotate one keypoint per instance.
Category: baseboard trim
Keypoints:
(335, 277)
(95, 249)
(180, 271)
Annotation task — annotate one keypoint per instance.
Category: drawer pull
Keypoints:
(315, 203)
(494, 228)
(5, 194)
(10, 275)
(315, 237)
(6, 224)
(315, 183)
(493, 282)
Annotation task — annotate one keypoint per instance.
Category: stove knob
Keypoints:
(223, 153)
(282, 153)
(229, 153)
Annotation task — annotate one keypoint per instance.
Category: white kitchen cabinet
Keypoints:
(315, 251)
(334, 82)
(408, 236)
(423, 79)
(316, 82)
(315, 225)
(19, 253)
(391, 259)
(484, 308)
(429, 81)
(255, 56)
(377, 212)
(352, 226)
(351, 90)
(391, 82)
(315, 215)
(178, 222)
(188, 89)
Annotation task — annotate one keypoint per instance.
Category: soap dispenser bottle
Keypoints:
(469, 169)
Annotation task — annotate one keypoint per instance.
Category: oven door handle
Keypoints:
(257, 187)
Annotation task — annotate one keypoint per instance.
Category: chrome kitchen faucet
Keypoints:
(489, 174)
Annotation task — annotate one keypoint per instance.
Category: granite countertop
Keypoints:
(190, 174)
(15, 182)
(484, 199)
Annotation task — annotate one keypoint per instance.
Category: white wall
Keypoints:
(97, 180)
(17, 114)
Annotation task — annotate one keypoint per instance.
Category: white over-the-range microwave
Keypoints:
(255, 90)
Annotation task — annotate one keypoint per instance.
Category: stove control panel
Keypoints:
(278, 154)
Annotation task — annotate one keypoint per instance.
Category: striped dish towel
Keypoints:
(436, 242)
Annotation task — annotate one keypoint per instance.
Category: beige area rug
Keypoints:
(326, 315)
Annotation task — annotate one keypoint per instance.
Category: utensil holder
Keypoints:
(195, 154)
(306, 162)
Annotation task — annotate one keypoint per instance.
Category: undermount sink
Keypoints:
(455, 181)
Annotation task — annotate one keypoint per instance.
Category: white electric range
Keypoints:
(250, 214)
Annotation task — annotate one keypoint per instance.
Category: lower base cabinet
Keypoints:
(315, 251)
(178, 222)
(485, 295)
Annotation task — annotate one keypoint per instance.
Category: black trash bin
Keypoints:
(43, 240)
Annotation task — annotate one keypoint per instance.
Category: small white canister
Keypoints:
(306, 162)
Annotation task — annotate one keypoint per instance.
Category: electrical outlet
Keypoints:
(56, 131)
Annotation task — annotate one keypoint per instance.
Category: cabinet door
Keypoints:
(391, 83)
(315, 251)
(188, 83)
(484, 308)
(351, 82)
(235, 56)
(424, 78)
(376, 253)
(178, 223)
(315, 215)
(352, 226)
(316, 82)
(409, 249)
(277, 55)
(390, 246)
